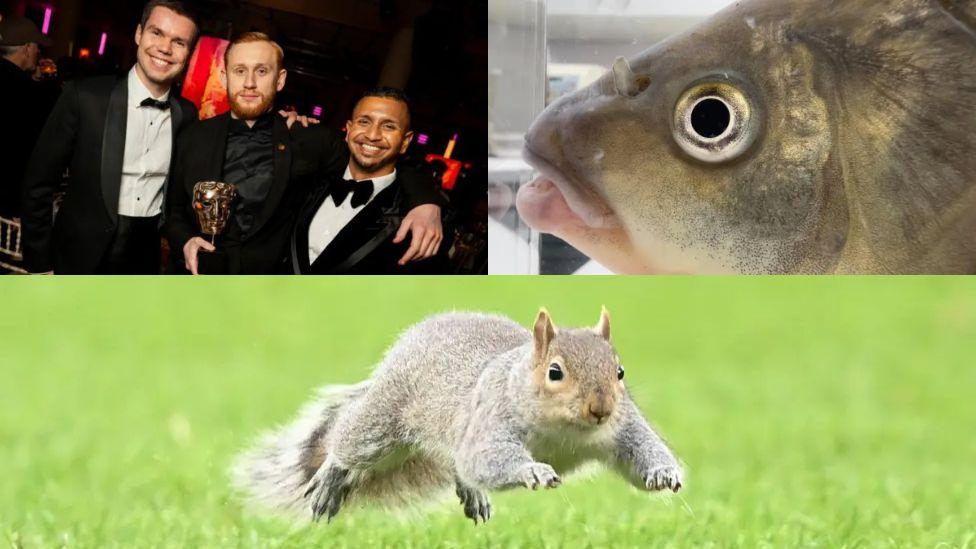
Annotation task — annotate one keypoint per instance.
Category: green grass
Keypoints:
(809, 412)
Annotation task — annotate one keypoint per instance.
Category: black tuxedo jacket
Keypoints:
(365, 245)
(303, 158)
(85, 133)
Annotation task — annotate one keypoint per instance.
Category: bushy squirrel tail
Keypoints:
(273, 474)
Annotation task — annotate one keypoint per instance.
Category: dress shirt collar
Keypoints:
(138, 91)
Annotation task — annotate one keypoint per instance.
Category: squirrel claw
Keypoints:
(663, 478)
(535, 475)
(328, 490)
(476, 504)
(312, 485)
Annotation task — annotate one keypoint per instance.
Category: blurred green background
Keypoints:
(808, 411)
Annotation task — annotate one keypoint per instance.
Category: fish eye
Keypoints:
(620, 372)
(714, 122)
(555, 372)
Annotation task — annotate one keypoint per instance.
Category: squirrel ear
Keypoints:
(602, 327)
(543, 332)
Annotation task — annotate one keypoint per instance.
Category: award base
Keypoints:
(212, 263)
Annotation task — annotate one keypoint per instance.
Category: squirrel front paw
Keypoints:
(327, 490)
(667, 477)
(534, 475)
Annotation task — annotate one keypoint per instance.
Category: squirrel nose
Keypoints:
(599, 411)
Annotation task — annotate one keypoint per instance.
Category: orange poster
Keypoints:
(202, 84)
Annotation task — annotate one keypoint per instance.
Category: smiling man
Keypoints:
(345, 227)
(116, 136)
(272, 168)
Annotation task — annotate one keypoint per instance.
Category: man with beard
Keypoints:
(116, 137)
(272, 168)
(345, 226)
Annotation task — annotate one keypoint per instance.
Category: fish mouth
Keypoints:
(560, 203)
(557, 197)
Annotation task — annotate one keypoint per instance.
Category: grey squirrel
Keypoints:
(467, 401)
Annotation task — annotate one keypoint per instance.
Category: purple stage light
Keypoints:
(101, 44)
(422, 138)
(47, 20)
(316, 111)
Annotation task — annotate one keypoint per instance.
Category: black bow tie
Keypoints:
(361, 191)
(150, 102)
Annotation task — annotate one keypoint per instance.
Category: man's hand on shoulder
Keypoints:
(292, 116)
(190, 251)
(424, 224)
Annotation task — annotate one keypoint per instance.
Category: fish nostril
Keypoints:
(642, 83)
(625, 82)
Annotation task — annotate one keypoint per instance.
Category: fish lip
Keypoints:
(588, 204)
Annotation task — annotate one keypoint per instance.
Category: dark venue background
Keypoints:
(436, 50)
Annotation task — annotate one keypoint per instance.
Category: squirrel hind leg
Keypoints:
(327, 491)
(274, 473)
(476, 503)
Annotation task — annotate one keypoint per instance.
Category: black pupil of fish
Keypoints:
(710, 117)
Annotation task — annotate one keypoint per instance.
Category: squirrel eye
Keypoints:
(555, 372)
(620, 372)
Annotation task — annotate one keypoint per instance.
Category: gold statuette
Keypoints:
(212, 202)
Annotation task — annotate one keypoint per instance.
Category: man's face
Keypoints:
(163, 46)
(252, 78)
(377, 134)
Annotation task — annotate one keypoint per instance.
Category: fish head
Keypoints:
(709, 152)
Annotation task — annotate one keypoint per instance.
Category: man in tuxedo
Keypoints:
(273, 170)
(116, 137)
(345, 226)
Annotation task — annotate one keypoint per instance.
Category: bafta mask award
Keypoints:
(213, 202)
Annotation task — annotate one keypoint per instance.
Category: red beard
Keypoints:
(249, 111)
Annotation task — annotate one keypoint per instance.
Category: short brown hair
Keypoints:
(248, 37)
(173, 5)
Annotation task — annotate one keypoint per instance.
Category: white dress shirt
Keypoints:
(330, 219)
(148, 147)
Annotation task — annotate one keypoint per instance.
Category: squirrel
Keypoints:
(468, 401)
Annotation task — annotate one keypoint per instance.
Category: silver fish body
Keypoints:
(780, 136)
